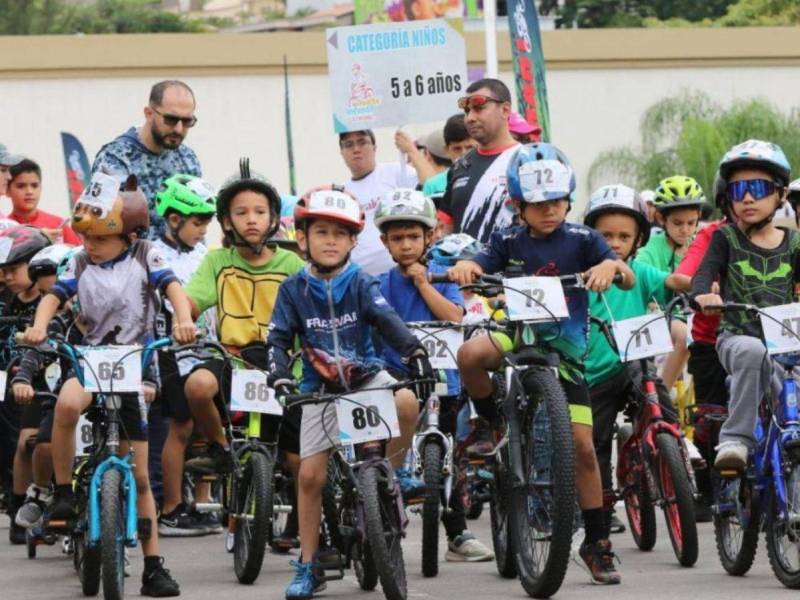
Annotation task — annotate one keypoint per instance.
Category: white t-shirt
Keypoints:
(370, 253)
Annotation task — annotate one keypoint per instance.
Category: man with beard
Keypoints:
(155, 151)
(475, 199)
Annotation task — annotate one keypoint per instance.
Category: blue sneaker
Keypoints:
(410, 486)
(304, 583)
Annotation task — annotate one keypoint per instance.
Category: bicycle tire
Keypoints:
(30, 543)
(112, 535)
(88, 563)
(676, 491)
(638, 501)
(538, 509)
(330, 509)
(384, 530)
(777, 529)
(737, 511)
(474, 509)
(502, 542)
(432, 474)
(253, 496)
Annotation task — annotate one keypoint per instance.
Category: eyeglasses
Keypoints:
(758, 188)
(361, 142)
(476, 102)
(173, 120)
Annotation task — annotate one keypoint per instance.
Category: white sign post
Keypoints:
(392, 74)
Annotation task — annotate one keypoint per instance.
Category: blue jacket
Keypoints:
(333, 320)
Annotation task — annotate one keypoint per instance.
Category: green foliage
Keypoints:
(761, 12)
(688, 134)
(31, 17)
(632, 13)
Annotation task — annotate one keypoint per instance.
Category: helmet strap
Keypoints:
(238, 240)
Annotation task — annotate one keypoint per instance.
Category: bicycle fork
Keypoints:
(432, 432)
(129, 487)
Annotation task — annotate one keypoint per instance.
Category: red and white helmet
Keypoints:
(332, 203)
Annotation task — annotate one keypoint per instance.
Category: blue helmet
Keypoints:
(756, 154)
(539, 173)
(452, 248)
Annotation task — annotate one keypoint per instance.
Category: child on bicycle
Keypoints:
(540, 183)
(187, 204)
(332, 306)
(756, 263)
(239, 281)
(620, 216)
(116, 278)
(678, 201)
(42, 270)
(19, 299)
(407, 221)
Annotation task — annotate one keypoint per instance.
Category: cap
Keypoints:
(434, 143)
(516, 124)
(7, 159)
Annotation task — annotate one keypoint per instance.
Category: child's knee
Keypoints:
(199, 385)
(68, 411)
(310, 480)
(407, 405)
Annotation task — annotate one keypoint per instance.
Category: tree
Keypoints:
(630, 13)
(688, 134)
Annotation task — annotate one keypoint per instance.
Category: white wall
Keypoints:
(591, 110)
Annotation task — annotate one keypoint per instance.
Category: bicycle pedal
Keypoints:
(330, 560)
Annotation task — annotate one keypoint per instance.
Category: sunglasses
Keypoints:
(173, 120)
(758, 189)
(476, 102)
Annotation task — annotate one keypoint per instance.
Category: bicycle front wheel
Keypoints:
(432, 472)
(676, 491)
(384, 530)
(783, 532)
(736, 520)
(542, 505)
(499, 502)
(252, 496)
(112, 535)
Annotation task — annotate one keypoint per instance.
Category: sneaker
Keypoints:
(731, 456)
(63, 508)
(158, 583)
(305, 582)
(179, 523)
(36, 501)
(16, 534)
(126, 563)
(614, 523)
(410, 486)
(599, 558)
(697, 460)
(209, 522)
(702, 510)
(216, 461)
(466, 548)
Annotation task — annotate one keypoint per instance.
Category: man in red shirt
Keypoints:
(25, 191)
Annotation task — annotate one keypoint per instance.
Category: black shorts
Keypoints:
(171, 392)
(287, 427)
(708, 374)
(129, 416)
(31, 415)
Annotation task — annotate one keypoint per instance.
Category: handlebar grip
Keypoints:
(439, 277)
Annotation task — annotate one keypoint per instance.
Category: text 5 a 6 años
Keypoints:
(421, 85)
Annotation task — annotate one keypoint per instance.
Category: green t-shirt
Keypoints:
(435, 186)
(602, 362)
(243, 294)
(659, 254)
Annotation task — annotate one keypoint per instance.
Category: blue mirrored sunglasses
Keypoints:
(758, 188)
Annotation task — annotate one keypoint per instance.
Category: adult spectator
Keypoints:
(7, 160)
(155, 151)
(370, 181)
(521, 130)
(475, 198)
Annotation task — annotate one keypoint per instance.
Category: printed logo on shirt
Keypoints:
(337, 322)
(460, 182)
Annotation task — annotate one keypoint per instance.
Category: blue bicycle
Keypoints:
(104, 481)
(767, 494)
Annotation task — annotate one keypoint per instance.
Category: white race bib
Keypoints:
(112, 369)
(642, 337)
(250, 393)
(83, 436)
(3, 379)
(372, 418)
(52, 375)
(535, 299)
(782, 330)
(441, 345)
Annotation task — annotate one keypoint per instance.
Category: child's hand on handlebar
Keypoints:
(34, 336)
(149, 392)
(184, 333)
(465, 272)
(600, 277)
(704, 300)
(23, 393)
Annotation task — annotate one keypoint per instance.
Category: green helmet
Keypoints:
(405, 205)
(187, 195)
(678, 191)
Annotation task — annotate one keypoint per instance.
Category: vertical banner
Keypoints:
(287, 115)
(528, 58)
(77, 167)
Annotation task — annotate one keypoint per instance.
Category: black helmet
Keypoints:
(248, 180)
(20, 244)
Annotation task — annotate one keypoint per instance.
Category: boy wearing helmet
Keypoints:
(332, 306)
(618, 213)
(407, 220)
(43, 269)
(755, 262)
(540, 182)
(19, 299)
(116, 278)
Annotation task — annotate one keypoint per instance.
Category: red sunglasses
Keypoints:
(475, 102)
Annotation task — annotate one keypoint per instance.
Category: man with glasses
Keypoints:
(475, 198)
(370, 181)
(155, 151)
